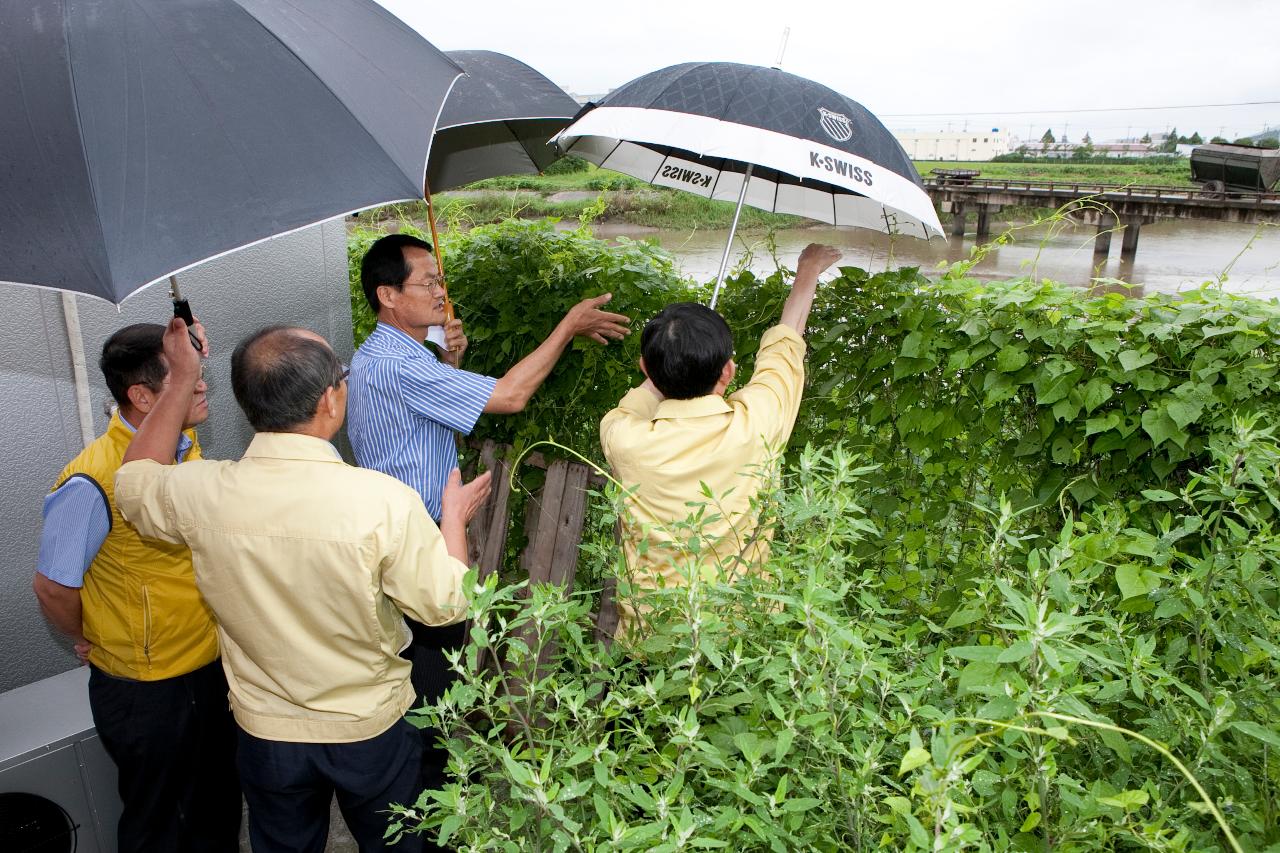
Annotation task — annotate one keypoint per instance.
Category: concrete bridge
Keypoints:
(1110, 207)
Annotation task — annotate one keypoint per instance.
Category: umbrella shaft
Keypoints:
(728, 246)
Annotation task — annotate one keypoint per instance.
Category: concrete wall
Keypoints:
(299, 279)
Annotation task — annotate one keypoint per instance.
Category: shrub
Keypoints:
(1027, 541)
(567, 166)
(823, 706)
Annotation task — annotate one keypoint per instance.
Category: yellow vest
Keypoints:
(141, 609)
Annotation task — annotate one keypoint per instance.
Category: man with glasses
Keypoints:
(406, 405)
(131, 608)
(310, 566)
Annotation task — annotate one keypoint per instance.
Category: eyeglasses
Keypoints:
(432, 281)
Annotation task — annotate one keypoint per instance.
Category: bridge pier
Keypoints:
(1102, 243)
(984, 222)
(1129, 242)
(957, 219)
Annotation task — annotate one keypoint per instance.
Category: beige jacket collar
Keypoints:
(291, 445)
(698, 407)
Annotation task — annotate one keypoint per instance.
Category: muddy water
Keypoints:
(1171, 256)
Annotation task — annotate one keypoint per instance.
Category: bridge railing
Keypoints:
(1076, 188)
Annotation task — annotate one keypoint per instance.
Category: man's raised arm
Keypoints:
(585, 319)
(158, 433)
(814, 260)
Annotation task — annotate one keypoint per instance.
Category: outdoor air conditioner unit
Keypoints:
(57, 783)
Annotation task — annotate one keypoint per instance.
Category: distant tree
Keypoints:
(1195, 139)
(1088, 140)
(1220, 140)
(1244, 140)
(1170, 142)
(1268, 142)
(1146, 139)
(1048, 139)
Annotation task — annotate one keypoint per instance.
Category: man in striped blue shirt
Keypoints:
(405, 405)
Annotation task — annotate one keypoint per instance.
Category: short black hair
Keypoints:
(132, 356)
(685, 348)
(279, 375)
(384, 264)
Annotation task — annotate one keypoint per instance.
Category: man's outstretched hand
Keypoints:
(461, 500)
(457, 507)
(587, 320)
(816, 259)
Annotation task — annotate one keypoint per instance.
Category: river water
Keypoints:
(1171, 255)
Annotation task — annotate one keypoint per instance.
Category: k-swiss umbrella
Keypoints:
(762, 136)
(140, 137)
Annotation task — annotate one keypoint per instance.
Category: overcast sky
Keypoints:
(991, 63)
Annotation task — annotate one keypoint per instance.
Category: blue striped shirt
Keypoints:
(76, 523)
(404, 406)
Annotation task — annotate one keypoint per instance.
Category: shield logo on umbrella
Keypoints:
(837, 125)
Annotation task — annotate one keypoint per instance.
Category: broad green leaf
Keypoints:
(1134, 581)
(913, 758)
(979, 653)
(1096, 392)
(1254, 730)
(1161, 428)
(1011, 359)
(1130, 801)
(1131, 360)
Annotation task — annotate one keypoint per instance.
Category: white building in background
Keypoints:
(954, 145)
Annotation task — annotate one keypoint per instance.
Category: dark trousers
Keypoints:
(431, 676)
(289, 787)
(173, 742)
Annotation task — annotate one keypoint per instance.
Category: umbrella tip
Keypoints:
(782, 48)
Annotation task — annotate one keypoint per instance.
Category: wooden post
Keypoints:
(957, 219)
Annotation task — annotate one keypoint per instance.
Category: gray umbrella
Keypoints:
(140, 137)
(497, 121)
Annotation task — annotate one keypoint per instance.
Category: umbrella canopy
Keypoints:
(812, 151)
(140, 137)
(497, 121)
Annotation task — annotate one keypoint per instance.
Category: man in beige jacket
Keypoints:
(309, 566)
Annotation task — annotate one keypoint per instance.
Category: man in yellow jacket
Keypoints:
(131, 607)
(311, 566)
(676, 442)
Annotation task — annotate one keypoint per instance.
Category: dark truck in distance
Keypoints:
(1235, 168)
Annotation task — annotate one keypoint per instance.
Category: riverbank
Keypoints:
(605, 196)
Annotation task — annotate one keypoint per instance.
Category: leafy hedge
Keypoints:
(829, 707)
(1026, 542)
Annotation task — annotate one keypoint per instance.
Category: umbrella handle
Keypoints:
(182, 310)
(435, 243)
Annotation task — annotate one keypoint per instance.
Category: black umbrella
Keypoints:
(498, 120)
(141, 137)
(762, 136)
